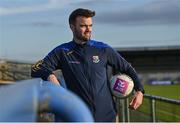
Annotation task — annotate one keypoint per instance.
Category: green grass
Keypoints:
(168, 91)
(164, 111)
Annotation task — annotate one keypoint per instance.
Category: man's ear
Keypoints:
(72, 27)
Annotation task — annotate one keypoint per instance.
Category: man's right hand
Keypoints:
(53, 79)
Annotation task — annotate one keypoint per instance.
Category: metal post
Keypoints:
(122, 111)
(118, 110)
(127, 114)
(153, 112)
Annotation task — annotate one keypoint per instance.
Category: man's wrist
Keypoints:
(140, 90)
(53, 79)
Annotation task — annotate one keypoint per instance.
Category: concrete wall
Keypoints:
(13, 71)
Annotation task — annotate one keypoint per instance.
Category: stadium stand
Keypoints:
(159, 63)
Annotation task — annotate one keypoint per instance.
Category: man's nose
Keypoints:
(88, 28)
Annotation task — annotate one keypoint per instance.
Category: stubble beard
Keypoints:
(82, 38)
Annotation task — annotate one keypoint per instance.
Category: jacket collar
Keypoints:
(81, 45)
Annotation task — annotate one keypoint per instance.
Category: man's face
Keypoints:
(82, 28)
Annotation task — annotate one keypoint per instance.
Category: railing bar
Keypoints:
(127, 110)
(162, 99)
(153, 111)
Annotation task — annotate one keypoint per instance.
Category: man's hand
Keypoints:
(53, 79)
(136, 101)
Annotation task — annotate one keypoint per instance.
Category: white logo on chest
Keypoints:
(95, 59)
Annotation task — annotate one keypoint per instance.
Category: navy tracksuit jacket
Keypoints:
(84, 68)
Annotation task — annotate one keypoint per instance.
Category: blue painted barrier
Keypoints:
(23, 100)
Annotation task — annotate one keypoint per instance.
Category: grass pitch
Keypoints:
(164, 111)
(168, 91)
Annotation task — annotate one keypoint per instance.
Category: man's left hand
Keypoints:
(136, 101)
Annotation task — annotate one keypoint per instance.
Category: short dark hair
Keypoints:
(80, 12)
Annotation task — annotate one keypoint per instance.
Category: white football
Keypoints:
(121, 85)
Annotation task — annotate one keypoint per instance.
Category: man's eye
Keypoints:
(83, 26)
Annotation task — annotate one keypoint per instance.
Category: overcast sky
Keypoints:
(29, 29)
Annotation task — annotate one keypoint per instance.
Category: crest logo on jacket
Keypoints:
(95, 59)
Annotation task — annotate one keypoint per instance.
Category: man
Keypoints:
(84, 66)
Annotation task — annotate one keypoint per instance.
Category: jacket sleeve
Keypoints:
(45, 67)
(115, 60)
